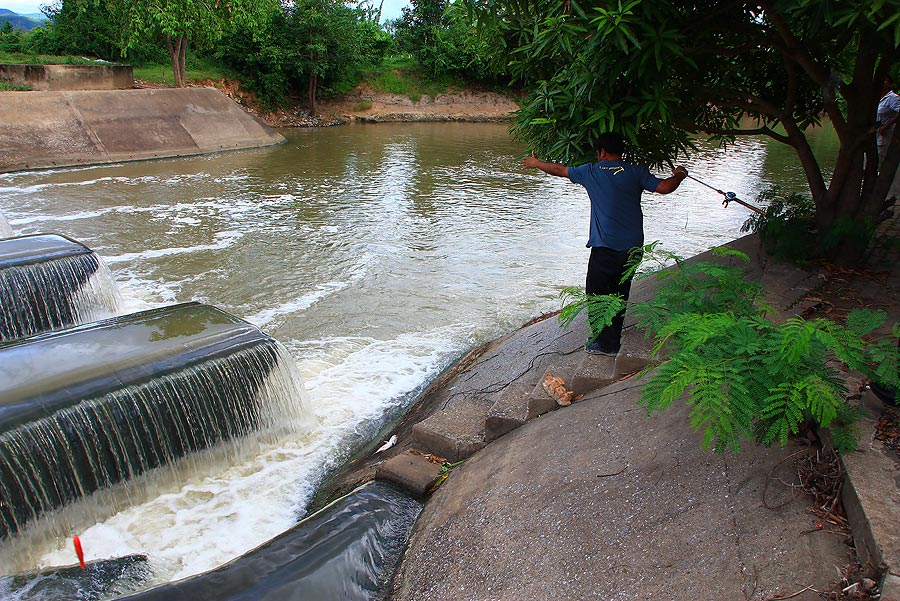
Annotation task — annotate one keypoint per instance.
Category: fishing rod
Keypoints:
(729, 196)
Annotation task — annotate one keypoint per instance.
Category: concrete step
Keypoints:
(592, 373)
(457, 432)
(411, 470)
(517, 404)
(521, 402)
(636, 349)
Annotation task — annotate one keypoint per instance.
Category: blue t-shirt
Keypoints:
(615, 191)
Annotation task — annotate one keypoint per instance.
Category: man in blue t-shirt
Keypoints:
(617, 223)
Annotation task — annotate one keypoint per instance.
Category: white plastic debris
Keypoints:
(388, 444)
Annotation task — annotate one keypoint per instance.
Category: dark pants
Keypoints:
(605, 269)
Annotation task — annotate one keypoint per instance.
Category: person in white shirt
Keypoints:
(888, 113)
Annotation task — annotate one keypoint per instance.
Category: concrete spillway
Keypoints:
(49, 282)
(53, 129)
(96, 405)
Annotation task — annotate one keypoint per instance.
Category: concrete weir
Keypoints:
(49, 282)
(95, 405)
(57, 129)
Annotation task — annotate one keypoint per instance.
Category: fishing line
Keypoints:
(729, 196)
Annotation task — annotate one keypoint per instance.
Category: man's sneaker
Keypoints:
(594, 348)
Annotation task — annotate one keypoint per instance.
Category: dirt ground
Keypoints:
(367, 105)
(364, 104)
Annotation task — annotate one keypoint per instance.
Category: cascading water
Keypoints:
(152, 388)
(49, 282)
(347, 551)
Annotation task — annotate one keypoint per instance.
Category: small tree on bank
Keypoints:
(311, 47)
(181, 23)
(659, 71)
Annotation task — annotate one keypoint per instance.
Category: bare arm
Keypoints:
(670, 184)
(556, 169)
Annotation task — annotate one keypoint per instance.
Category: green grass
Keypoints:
(154, 73)
(8, 86)
(196, 70)
(403, 75)
(18, 58)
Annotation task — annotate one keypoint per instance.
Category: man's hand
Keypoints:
(531, 162)
(670, 184)
(556, 169)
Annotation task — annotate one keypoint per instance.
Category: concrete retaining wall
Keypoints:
(69, 77)
(54, 129)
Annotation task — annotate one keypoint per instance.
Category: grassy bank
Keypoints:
(399, 74)
(403, 75)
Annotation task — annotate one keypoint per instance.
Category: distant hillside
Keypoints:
(19, 21)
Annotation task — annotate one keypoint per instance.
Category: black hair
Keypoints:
(611, 142)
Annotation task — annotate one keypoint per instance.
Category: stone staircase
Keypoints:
(478, 412)
(501, 392)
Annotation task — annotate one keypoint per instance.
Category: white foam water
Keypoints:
(5, 229)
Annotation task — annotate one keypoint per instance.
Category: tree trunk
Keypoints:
(311, 86)
(182, 63)
(178, 52)
(851, 203)
(311, 95)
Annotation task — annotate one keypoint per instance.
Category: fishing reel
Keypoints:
(729, 196)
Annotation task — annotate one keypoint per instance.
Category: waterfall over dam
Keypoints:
(49, 282)
(99, 404)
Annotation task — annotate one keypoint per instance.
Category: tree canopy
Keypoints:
(439, 34)
(660, 72)
(184, 22)
(313, 44)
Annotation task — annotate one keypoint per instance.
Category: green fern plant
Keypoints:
(744, 376)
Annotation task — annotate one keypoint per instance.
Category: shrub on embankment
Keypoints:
(745, 375)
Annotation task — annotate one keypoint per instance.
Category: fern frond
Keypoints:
(712, 412)
(727, 251)
(601, 308)
(884, 362)
(822, 400)
(862, 322)
(845, 438)
(574, 301)
(742, 375)
(667, 384)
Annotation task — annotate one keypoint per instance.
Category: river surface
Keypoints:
(377, 254)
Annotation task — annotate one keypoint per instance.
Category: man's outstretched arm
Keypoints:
(556, 169)
(670, 184)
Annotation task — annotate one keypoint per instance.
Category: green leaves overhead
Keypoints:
(315, 46)
(660, 72)
(180, 23)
